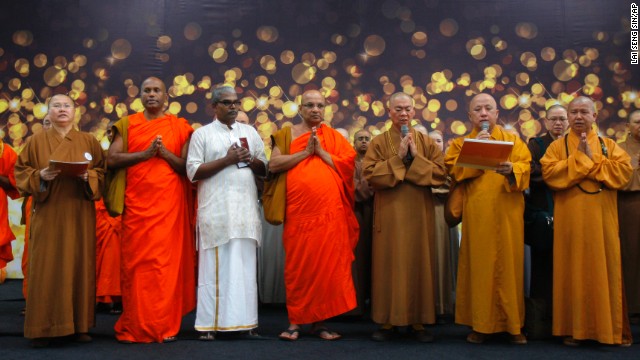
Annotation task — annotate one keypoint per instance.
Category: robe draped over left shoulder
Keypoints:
(490, 290)
(62, 258)
(320, 231)
(158, 253)
(587, 270)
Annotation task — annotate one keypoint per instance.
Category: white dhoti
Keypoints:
(227, 287)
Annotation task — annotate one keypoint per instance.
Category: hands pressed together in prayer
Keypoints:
(407, 145)
(584, 147)
(313, 145)
(157, 148)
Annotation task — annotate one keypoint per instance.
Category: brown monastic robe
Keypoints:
(63, 234)
(403, 260)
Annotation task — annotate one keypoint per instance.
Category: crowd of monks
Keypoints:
(364, 232)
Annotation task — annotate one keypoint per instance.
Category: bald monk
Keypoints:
(586, 171)
(62, 248)
(158, 273)
(490, 289)
(320, 228)
(628, 209)
(8, 159)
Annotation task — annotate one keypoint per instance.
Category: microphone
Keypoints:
(484, 126)
(404, 129)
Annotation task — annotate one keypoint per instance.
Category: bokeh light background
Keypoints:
(527, 54)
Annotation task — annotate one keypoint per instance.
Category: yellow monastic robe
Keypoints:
(489, 295)
(403, 265)
(587, 278)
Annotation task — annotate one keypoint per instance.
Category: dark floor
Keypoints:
(450, 342)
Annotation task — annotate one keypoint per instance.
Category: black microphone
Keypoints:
(404, 129)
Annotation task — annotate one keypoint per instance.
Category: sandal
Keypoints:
(325, 334)
(207, 336)
(290, 334)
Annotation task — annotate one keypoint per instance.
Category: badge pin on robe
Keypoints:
(88, 156)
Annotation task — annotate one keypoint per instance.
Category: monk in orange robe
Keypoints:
(158, 271)
(320, 228)
(586, 171)
(108, 232)
(8, 159)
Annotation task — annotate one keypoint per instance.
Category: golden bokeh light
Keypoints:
(565, 70)
(374, 45)
(419, 38)
(164, 43)
(23, 38)
(449, 27)
(526, 30)
(267, 34)
(121, 49)
(302, 73)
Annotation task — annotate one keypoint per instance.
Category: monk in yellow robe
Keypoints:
(585, 171)
(628, 209)
(402, 164)
(8, 159)
(62, 248)
(320, 228)
(489, 295)
(158, 251)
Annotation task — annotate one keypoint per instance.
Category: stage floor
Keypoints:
(356, 344)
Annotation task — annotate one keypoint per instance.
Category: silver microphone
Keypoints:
(484, 126)
(404, 129)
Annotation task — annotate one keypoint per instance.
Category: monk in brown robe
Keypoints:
(63, 227)
(490, 290)
(628, 210)
(320, 229)
(586, 170)
(158, 253)
(402, 165)
(8, 159)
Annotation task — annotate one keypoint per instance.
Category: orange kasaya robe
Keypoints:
(320, 231)
(25, 250)
(8, 159)
(158, 250)
(588, 288)
(108, 232)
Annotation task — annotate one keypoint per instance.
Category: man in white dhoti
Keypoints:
(224, 156)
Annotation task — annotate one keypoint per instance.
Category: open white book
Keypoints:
(484, 154)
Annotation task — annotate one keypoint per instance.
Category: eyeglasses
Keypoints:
(557, 119)
(228, 103)
(312, 105)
